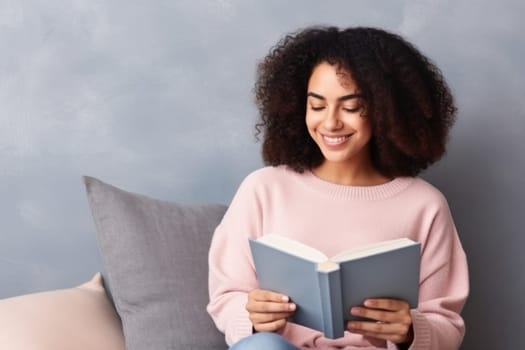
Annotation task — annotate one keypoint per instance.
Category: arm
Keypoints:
(236, 305)
(231, 272)
(233, 286)
(444, 287)
(436, 323)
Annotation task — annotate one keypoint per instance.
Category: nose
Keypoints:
(332, 121)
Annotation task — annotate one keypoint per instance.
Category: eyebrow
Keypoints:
(342, 98)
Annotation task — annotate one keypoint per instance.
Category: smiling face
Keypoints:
(335, 119)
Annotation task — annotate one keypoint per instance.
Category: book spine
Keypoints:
(332, 303)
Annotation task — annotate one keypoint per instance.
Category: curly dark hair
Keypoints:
(407, 100)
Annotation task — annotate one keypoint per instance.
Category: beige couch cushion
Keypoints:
(80, 318)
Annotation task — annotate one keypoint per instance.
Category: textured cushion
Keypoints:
(80, 318)
(155, 258)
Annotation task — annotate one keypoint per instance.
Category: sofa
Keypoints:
(152, 290)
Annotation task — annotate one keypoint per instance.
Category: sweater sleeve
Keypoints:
(444, 287)
(231, 271)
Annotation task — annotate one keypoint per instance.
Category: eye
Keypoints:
(352, 107)
(317, 108)
(351, 110)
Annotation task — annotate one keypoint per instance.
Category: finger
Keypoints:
(387, 304)
(267, 295)
(394, 338)
(256, 318)
(270, 326)
(378, 327)
(396, 333)
(401, 316)
(378, 343)
(269, 307)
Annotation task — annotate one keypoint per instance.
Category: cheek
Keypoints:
(365, 128)
(368, 133)
(310, 123)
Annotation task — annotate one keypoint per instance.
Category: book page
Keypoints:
(372, 249)
(293, 247)
(327, 266)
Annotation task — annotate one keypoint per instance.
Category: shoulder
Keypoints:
(426, 188)
(426, 194)
(426, 207)
(257, 191)
(270, 175)
(270, 182)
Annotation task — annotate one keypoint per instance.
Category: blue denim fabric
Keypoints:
(263, 341)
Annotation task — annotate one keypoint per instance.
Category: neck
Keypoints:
(350, 174)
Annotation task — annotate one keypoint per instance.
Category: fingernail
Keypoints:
(292, 307)
(355, 311)
(285, 298)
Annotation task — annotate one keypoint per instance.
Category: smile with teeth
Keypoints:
(335, 140)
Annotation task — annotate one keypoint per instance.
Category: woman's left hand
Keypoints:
(390, 320)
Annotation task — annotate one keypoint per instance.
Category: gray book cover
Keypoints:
(324, 296)
(393, 274)
(293, 276)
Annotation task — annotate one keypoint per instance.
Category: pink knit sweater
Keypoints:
(333, 218)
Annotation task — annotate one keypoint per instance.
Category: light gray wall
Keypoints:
(155, 96)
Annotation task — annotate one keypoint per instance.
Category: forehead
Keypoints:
(330, 76)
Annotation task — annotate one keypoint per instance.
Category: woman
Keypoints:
(350, 118)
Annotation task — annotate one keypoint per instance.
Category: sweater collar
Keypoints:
(376, 192)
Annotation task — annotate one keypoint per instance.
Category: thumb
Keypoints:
(379, 343)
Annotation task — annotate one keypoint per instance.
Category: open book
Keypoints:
(324, 289)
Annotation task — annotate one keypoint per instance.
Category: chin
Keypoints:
(336, 160)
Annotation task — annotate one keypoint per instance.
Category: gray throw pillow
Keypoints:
(155, 258)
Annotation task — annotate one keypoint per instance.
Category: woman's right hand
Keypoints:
(268, 310)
